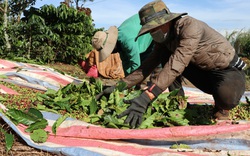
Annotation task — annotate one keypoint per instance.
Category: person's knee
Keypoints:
(227, 104)
(227, 98)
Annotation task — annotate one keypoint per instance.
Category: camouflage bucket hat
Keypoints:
(155, 14)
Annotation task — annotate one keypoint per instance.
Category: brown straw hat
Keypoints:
(105, 41)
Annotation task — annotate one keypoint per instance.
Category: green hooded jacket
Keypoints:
(129, 49)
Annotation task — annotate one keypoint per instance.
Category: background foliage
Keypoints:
(240, 41)
(49, 34)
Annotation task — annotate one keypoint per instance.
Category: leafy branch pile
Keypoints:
(79, 102)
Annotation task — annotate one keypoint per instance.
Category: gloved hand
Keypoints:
(139, 105)
(106, 91)
(136, 110)
(121, 85)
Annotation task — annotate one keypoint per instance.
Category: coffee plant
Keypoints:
(50, 34)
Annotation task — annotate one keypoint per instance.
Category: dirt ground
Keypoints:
(20, 148)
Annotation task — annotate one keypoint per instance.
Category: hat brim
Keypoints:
(158, 22)
(109, 46)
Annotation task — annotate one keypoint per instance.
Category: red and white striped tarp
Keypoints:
(75, 137)
(33, 76)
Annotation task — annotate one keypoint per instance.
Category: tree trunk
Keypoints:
(19, 16)
(5, 24)
(29, 48)
(77, 4)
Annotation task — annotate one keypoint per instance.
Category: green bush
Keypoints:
(242, 44)
(240, 40)
(51, 34)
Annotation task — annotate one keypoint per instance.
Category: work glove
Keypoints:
(136, 110)
(106, 91)
(138, 106)
(110, 89)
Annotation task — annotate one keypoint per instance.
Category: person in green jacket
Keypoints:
(132, 52)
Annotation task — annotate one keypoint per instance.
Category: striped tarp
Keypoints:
(78, 138)
(34, 76)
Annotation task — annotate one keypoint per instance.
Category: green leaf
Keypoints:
(44, 108)
(104, 102)
(66, 89)
(117, 99)
(93, 106)
(39, 136)
(109, 120)
(9, 141)
(51, 92)
(88, 87)
(177, 118)
(61, 99)
(133, 94)
(148, 123)
(21, 117)
(37, 125)
(2, 98)
(58, 122)
(99, 85)
(121, 85)
(42, 97)
(3, 76)
(62, 106)
(94, 118)
(174, 92)
(111, 125)
(180, 146)
(111, 99)
(36, 112)
(121, 108)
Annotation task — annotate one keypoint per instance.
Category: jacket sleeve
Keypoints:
(144, 70)
(189, 34)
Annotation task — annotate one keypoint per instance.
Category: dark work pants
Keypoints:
(226, 86)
